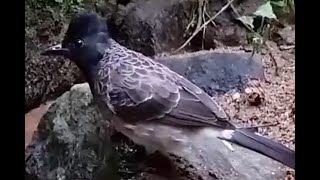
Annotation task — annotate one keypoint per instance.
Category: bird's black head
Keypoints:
(84, 42)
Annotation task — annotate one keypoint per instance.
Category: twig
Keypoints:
(285, 48)
(276, 70)
(203, 25)
(246, 26)
(273, 59)
(252, 53)
(261, 25)
(191, 22)
(200, 3)
(204, 20)
(265, 125)
(290, 68)
(208, 16)
(213, 23)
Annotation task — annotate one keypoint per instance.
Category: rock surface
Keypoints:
(71, 143)
(215, 72)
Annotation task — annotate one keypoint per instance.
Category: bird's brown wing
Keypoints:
(150, 91)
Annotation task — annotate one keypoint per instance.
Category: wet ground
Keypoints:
(32, 120)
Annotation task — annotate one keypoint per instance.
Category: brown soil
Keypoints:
(278, 107)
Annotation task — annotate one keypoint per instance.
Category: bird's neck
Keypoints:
(114, 46)
(99, 71)
(88, 75)
(91, 69)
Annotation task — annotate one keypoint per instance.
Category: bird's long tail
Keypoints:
(254, 141)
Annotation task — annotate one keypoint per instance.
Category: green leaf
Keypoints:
(58, 1)
(278, 3)
(265, 11)
(247, 20)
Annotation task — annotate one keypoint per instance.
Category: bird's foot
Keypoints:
(255, 129)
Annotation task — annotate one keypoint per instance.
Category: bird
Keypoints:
(151, 104)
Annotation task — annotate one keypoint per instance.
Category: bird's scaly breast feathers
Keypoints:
(140, 89)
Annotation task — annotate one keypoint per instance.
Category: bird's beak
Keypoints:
(56, 50)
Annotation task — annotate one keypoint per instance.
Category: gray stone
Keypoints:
(72, 143)
(68, 139)
(217, 73)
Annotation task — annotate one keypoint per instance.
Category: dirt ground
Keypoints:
(278, 106)
(277, 109)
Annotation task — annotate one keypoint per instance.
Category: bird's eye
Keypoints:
(79, 43)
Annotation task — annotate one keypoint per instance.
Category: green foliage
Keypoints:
(66, 7)
(70, 6)
(267, 14)
(264, 11)
(283, 7)
(45, 19)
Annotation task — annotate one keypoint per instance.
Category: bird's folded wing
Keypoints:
(165, 97)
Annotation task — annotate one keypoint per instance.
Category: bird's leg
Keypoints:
(254, 129)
